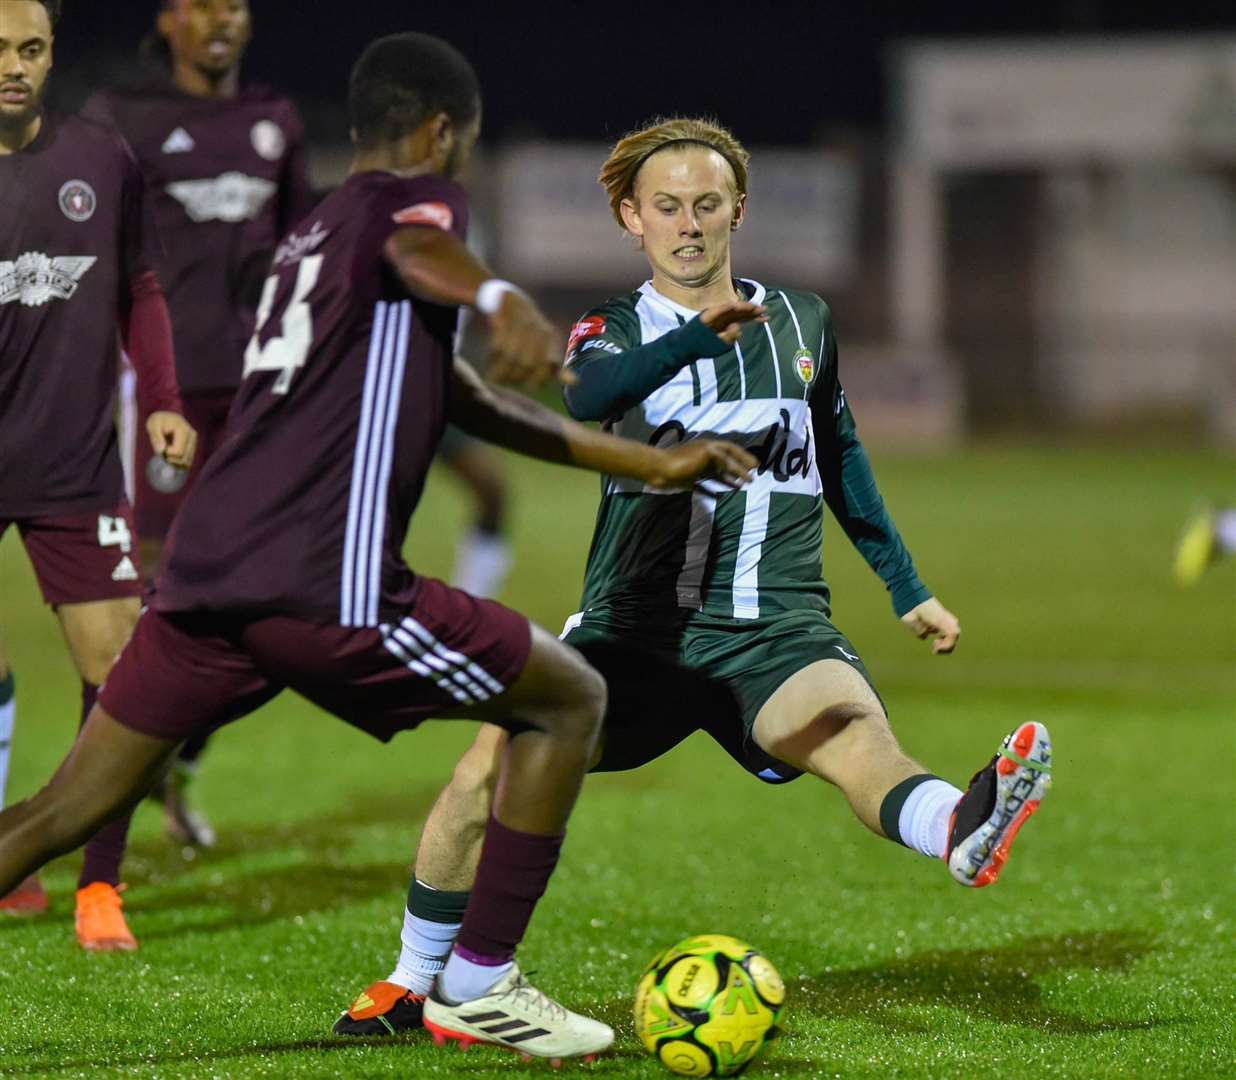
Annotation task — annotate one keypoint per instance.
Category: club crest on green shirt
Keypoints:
(804, 365)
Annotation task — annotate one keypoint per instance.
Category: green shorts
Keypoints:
(701, 674)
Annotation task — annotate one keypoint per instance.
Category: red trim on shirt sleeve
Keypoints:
(147, 330)
(436, 214)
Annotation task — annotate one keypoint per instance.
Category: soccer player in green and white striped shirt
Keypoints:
(708, 608)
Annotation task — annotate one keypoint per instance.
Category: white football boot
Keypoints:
(517, 1016)
(999, 801)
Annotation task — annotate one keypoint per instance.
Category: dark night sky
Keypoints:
(778, 71)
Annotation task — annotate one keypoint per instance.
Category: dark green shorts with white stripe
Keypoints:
(701, 674)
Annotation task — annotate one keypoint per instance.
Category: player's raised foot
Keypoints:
(101, 925)
(384, 1008)
(29, 898)
(1196, 548)
(184, 824)
(999, 801)
(517, 1016)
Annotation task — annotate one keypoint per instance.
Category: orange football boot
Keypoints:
(29, 898)
(384, 1008)
(101, 925)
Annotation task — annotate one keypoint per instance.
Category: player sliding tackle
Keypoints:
(283, 569)
(708, 608)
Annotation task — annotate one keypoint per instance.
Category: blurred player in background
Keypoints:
(73, 274)
(708, 608)
(224, 166)
(483, 556)
(1209, 535)
(349, 380)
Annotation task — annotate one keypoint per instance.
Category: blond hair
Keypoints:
(622, 167)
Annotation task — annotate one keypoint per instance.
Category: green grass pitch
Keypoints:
(1106, 949)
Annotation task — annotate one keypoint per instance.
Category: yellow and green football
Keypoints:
(708, 1006)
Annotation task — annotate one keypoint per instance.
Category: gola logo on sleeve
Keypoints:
(34, 278)
(583, 330)
(436, 214)
(231, 197)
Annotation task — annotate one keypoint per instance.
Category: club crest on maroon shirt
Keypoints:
(77, 200)
(268, 140)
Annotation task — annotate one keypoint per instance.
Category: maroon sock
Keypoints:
(515, 868)
(105, 850)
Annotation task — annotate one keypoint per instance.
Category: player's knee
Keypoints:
(580, 707)
(98, 644)
(845, 754)
(828, 743)
(591, 697)
(95, 666)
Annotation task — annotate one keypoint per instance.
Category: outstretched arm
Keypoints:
(437, 266)
(855, 501)
(517, 423)
(609, 380)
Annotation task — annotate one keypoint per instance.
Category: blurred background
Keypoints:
(1024, 217)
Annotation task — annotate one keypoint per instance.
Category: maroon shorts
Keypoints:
(155, 509)
(185, 673)
(81, 558)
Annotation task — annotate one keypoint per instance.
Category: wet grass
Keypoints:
(1106, 950)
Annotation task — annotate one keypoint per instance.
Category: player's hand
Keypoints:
(172, 437)
(524, 348)
(727, 320)
(703, 459)
(932, 619)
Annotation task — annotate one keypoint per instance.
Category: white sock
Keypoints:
(426, 945)
(923, 821)
(463, 980)
(1225, 529)
(8, 714)
(482, 563)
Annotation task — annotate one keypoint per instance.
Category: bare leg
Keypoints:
(450, 845)
(564, 698)
(827, 721)
(484, 555)
(96, 632)
(446, 866)
(560, 701)
(556, 707)
(478, 468)
(109, 770)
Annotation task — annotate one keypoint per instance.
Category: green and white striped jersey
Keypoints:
(736, 554)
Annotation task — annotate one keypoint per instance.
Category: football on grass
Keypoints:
(708, 1006)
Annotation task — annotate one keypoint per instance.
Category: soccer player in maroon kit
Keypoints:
(284, 569)
(224, 166)
(73, 273)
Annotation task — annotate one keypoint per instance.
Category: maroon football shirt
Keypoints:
(304, 508)
(225, 179)
(70, 243)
